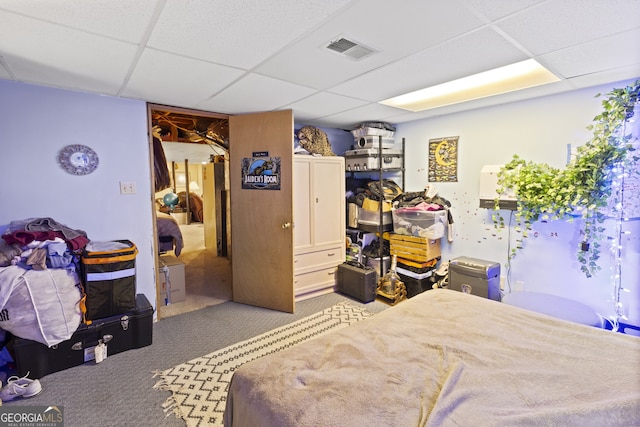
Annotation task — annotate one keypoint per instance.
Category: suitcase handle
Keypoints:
(80, 345)
(359, 265)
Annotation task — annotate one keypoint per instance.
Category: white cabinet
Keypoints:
(319, 223)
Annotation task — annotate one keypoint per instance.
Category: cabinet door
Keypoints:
(302, 203)
(328, 201)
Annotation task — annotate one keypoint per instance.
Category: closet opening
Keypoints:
(190, 164)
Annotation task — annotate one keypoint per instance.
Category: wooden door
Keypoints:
(262, 219)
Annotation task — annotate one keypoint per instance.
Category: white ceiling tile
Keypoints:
(58, 56)
(170, 79)
(404, 28)
(240, 33)
(100, 46)
(608, 53)
(472, 53)
(121, 19)
(496, 9)
(555, 25)
(371, 112)
(323, 104)
(619, 77)
(261, 93)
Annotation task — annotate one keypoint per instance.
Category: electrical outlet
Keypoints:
(127, 187)
(519, 287)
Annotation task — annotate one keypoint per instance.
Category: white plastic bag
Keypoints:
(40, 305)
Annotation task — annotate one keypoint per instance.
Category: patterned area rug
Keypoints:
(199, 387)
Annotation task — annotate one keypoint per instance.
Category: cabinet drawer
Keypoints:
(306, 281)
(318, 258)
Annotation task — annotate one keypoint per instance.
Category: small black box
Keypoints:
(127, 331)
(415, 286)
(357, 280)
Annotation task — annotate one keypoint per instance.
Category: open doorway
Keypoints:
(192, 208)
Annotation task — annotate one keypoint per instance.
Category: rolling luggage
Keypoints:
(133, 329)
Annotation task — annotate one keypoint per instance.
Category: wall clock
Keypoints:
(78, 159)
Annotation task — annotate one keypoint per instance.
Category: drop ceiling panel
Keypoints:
(496, 9)
(259, 92)
(240, 33)
(323, 104)
(472, 53)
(403, 28)
(555, 25)
(608, 53)
(61, 57)
(120, 19)
(351, 118)
(175, 80)
(174, 52)
(618, 77)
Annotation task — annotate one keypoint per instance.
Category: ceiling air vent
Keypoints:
(350, 48)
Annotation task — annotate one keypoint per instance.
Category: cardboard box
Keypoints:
(171, 273)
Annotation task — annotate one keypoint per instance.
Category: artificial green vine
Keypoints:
(583, 188)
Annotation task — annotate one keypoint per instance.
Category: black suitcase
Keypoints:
(130, 330)
(357, 280)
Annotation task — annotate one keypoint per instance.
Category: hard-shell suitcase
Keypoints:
(127, 331)
(357, 280)
(367, 159)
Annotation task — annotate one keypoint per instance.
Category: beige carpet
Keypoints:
(207, 276)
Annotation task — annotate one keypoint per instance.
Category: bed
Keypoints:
(444, 358)
(169, 234)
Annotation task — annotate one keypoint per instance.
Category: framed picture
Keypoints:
(443, 159)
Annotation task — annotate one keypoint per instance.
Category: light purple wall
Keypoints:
(537, 130)
(35, 124)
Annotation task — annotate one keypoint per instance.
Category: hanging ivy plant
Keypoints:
(581, 190)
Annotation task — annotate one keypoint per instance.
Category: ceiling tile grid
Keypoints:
(239, 33)
(118, 19)
(260, 92)
(165, 78)
(63, 57)
(472, 53)
(395, 30)
(554, 25)
(239, 56)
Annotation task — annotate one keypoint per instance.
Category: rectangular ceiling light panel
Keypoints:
(521, 75)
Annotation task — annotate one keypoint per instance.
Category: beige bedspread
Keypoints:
(444, 358)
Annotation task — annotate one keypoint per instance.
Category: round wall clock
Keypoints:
(78, 159)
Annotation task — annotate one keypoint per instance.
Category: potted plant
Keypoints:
(581, 190)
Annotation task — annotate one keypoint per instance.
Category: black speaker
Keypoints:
(357, 280)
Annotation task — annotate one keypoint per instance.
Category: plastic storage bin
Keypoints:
(373, 218)
(420, 223)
